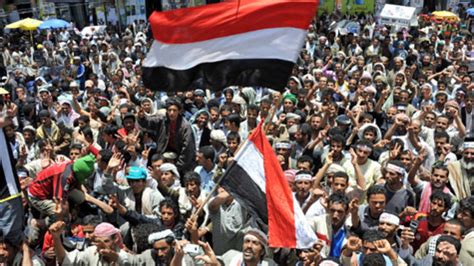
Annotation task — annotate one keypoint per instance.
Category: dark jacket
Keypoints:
(184, 139)
(205, 137)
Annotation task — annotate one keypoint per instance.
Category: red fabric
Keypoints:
(94, 150)
(187, 25)
(48, 242)
(280, 205)
(172, 131)
(122, 132)
(424, 232)
(79, 231)
(324, 238)
(106, 230)
(425, 202)
(50, 182)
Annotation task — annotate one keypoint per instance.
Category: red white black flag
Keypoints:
(238, 42)
(257, 181)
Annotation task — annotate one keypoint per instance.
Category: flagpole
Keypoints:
(265, 126)
(271, 114)
(214, 189)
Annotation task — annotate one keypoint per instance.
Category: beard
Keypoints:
(437, 262)
(468, 166)
(248, 254)
(163, 261)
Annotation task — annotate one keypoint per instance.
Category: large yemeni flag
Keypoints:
(257, 181)
(237, 42)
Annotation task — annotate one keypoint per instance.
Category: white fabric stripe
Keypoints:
(250, 160)
(305, 236)
(275, 43)
(7, 165)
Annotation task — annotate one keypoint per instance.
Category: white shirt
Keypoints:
(469, 120)
(197, 135)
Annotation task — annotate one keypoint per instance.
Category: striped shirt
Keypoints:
(53, 182)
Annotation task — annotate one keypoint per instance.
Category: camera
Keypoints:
(191, 249)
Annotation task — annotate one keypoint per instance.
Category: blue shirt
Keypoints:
(207, 184)
(336, 243)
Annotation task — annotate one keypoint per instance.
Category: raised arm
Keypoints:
(56, 231)
(322, 171)
(412, 179)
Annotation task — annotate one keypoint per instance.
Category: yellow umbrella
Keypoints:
(446, 15)
(25, 24)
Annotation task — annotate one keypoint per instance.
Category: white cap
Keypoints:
(159, 236)
(73, 84)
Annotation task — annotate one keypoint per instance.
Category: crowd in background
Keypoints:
(374, 132)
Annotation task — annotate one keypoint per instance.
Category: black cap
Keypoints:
(343, 119)
(44, 113)
(128, 115)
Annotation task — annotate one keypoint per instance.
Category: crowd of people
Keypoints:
(374, 133)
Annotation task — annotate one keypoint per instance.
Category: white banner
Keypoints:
(400, 16)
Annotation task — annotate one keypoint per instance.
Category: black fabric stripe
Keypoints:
(4, 191)
(270, 73)
(62, 178)
(237, 182)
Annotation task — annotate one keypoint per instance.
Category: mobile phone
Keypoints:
(414, 225)
(80, 242)
(191, 249)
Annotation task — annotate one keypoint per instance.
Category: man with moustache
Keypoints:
(453, 228)
(303, 183)
(433, 224)
(369, 214)
(162, 251)
(461, 173)
(254, 249)
(201, 130)
(465, 214)
(398, 196)
(388, 225)
(446, 254)
(333, 228)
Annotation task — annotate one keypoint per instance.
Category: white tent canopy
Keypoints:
(400, 16)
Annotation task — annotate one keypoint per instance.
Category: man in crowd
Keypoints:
(105, 251)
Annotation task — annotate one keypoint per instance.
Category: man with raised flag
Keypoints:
(257, 181)
(245, 42)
